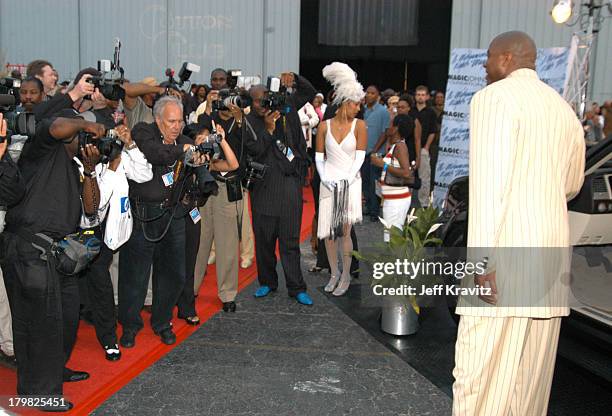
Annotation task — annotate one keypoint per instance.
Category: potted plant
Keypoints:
(400, 308)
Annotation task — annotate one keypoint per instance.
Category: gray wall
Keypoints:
(261, 37)
(476, 22)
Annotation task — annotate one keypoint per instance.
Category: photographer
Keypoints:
(222, 216)
(125, 163)
(158, 236)
(44, 303)
(277, 199)
(140, 98)
(12, 189)
(201, 231)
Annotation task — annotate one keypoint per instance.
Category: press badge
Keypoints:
(290, 155)
(168, 178)
(195, 215)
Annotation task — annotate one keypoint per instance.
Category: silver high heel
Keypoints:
(343, 286)
(331, 285)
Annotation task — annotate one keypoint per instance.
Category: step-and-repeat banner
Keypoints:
(466, 76)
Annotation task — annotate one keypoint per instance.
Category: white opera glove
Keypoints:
(320, 164)
(356, 166)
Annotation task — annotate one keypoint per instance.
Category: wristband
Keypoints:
(91, 174)
(385, 167)
(131, 146)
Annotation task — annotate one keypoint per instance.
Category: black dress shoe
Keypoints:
(128, 339)
(71, 376)
(8, 361)
(167, 336)
(229, 306)
(112, 352)
(64, 407)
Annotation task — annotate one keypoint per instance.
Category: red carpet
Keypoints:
(108, 377)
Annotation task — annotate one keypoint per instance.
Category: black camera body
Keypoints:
(184, 74)
(18, 122)
(10, 86)
(276, 99)
(255, 171)
(227, 97)
(109, 146)
(110, 88)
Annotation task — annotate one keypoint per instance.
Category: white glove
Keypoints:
(356, 166)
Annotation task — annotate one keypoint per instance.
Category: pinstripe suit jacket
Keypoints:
(526, 160)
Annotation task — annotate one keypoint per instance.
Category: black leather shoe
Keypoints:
(71, 376)
(64, 407)
(112, 352)
(229, 306)
(8, 361)
(167, 336)
(128, 339)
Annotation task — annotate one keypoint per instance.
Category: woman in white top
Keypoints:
(396, 199)
(340, 152)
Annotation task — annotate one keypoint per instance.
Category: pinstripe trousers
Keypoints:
(504, 365)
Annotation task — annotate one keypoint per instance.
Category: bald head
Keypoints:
(507, 53)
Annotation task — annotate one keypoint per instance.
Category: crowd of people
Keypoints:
(171, 196)
(153, 214)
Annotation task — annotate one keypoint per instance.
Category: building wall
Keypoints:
(476, 22)
(261, 37)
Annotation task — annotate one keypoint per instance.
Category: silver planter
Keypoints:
(398, 316)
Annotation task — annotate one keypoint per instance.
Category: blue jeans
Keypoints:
(369, 175)
(137, 256)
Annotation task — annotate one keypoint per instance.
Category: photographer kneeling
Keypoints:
(222, 215)
(44, 302)
(158, 235)
(277, 199)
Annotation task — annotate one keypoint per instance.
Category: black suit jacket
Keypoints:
(279, 193)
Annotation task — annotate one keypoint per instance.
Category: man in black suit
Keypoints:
(276, 200)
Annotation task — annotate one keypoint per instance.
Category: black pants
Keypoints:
(101, 299)
(45, 312)
(186, 302)
(286, 229)
(137, 256)
(322, 260)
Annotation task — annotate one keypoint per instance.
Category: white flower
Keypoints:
(385, 223)
(411, 216)
(433, 228)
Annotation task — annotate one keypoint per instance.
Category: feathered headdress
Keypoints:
(344, 81)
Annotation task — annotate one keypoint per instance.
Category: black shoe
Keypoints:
(71, 376)
(112, 352)
(64, 407)
(229, 306)
(167, 336)
(128, 339)
(8, 361)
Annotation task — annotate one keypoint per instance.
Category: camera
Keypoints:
(211, 145)
(227, 97)
(184, 74)
(109, 146)
(18, 122)
(255, 171)
(111, 78)
(10, 86)
(276, 97)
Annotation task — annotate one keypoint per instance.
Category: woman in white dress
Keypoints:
(340, 152)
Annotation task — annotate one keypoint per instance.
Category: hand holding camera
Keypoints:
(287, 79)
(98, 100)
(97, 130)
(90, 156)
(3, 132)
(124, 134)
(270, 120)
(82, 88)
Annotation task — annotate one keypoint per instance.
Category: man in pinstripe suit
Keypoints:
(276, 200)
(526, 160)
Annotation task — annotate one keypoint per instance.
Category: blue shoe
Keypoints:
(263, 291)
(304, 299)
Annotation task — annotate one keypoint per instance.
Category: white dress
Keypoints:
(338, 163)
